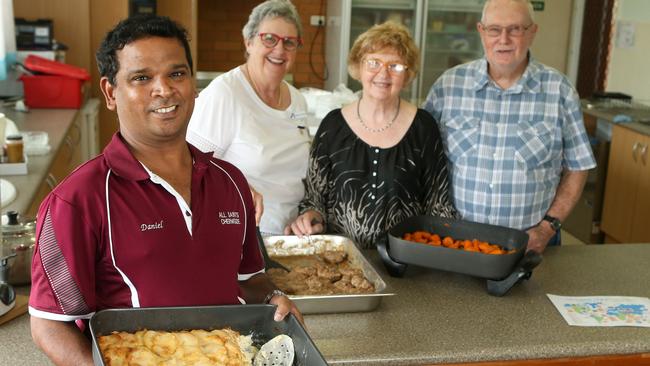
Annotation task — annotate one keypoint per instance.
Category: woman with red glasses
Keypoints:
(379, 160)
(252, 118)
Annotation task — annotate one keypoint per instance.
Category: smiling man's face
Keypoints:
(507, 54)
(154, 91)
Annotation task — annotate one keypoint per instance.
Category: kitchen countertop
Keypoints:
(440, 317)
(608, 110)
(56, 122)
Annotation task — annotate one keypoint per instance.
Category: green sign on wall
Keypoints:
(538, 5)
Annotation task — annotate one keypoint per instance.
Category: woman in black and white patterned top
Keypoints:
(379, 160)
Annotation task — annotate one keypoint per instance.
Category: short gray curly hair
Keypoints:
(268, 10)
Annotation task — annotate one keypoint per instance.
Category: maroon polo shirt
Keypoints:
(109, 236)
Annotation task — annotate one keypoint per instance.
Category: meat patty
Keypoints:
(335, 257)
(360, 282)
(325, 274)
(307, 271)
(330, 273)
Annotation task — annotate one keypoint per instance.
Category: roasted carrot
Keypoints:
(473, 245)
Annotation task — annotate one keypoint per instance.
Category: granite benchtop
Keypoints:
(441, 317)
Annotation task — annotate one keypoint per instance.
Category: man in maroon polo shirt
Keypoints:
(152, 221)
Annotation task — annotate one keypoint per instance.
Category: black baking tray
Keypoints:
(455, 260)
(246, 319)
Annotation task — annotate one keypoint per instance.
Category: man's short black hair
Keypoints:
(132, 29)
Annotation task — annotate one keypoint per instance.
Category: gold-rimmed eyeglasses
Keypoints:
(270, 40)
(516, 30)
(394, 68)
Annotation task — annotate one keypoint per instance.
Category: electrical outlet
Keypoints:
(317, 20)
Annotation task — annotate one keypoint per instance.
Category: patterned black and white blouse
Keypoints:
(362, 191)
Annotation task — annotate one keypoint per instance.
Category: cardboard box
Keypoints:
(14, 168)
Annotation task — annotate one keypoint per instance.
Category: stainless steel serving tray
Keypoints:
(319, 304)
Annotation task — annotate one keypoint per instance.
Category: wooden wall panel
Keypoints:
(104, 14)
(71, 21)
(595, 47)
(184, 12)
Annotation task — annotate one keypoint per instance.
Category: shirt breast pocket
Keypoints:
(462, 136)
(534, 143)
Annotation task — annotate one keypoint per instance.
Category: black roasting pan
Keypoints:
(471, 263)
(246, 319)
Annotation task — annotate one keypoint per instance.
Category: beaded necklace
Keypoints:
(385, 127)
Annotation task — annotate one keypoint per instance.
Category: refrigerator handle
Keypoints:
(424, 10)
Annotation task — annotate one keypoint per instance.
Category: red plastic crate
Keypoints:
(60, 87)
(52, 91)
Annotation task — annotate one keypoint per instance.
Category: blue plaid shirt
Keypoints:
(507, 148)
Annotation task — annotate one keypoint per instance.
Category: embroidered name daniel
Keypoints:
(229, 217)
(155, 226)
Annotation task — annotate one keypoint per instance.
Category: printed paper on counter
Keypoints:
(603, 311)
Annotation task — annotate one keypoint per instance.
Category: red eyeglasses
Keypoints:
(270, 40)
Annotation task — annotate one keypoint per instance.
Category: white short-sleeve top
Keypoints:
(271, 147)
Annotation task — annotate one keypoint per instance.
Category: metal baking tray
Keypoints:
(454, 260)
(256, 320)
(320, 304)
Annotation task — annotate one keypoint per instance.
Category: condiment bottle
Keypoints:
(14, 148)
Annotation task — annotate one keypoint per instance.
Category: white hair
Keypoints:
(268, 10)
(529, 7)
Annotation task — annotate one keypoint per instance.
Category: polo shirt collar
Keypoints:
(122, 162)
(529, 81)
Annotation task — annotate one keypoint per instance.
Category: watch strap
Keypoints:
(556, 224)
(272, 294)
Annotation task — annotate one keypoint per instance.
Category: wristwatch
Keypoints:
(272, 294)
(554, 221)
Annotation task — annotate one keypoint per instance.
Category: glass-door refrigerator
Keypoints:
(445, 31)
(449, 38)
(366, 13)
(347, 19)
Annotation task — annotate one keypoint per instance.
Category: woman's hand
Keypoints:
(311, 222)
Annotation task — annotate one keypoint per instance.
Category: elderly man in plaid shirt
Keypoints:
(513, 131)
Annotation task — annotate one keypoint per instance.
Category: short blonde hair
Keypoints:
(388, 35)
